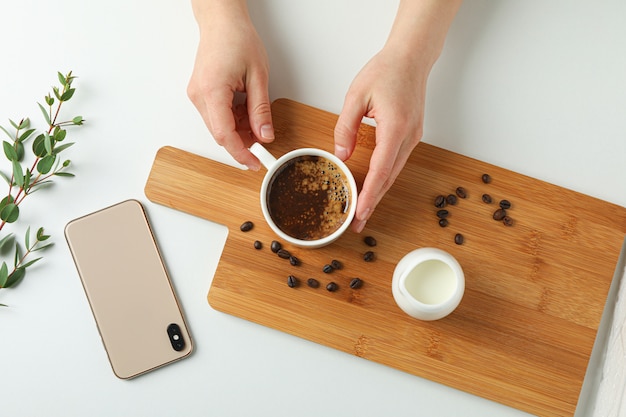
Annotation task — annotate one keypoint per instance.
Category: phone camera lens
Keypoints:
(175, 336)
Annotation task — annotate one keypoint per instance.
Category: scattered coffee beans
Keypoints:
(486, 178)
(499, 214)
(294, 261)
(246, 226)
(336, 264)
(507, 221)
(458, 239)
(328, 268)
(368, 256)
(276, 246)
(258, 244)
(282, 253)
(487, 199)
(332, 287)
(505, 204)
(442, 214)
(313, 283)
(356, 283)
(443, 222)
(370, 241)
(440, 201)
(292, 281)
(451, 199)
(461, 193)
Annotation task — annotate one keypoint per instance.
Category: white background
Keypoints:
(537, 87)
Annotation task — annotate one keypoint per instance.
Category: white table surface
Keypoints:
(536, 87)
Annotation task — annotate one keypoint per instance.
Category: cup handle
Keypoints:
(266, 158)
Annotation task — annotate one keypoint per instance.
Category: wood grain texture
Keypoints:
(535, 292)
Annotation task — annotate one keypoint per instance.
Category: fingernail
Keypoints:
(253, 167)
(267, 132)
(341, 152)
(360, 226)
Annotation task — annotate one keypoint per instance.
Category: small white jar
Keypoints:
(428, 284)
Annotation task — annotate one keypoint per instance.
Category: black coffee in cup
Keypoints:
(309, 197)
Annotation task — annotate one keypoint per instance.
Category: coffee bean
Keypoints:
(336, 264)
(451, 199)
(507, 221)
(442, 214)
(505, 204)
(486, 178)
(499, 214)
(246, 226)
(332, 287)
(487, 198)
(258, 244)
(328, 268)
(356, 283)
(313, 283)
(440, 201)
(276, 246)
(460, 192)
(368, 256)
(370, 241)
(443, 222)
(294, 261)
(458, 239)
(282, 253)
(292, 281)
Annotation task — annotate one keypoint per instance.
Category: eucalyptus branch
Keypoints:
(26, 178)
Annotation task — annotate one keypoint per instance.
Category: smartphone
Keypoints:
(128, 288)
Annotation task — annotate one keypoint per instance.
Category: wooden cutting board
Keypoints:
(535, 291)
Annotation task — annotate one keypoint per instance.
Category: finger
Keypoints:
(223, 126)
(386, 163)
(347, 126)
(259, 108)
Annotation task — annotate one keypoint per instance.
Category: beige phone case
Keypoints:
(134, 305)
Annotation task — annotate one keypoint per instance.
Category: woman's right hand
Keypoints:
(231, 59)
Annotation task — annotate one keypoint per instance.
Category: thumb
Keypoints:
(347, 127)
(260, 111)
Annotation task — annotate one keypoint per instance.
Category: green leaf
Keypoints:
(27, 180)
(6, 178)
(39, 147)
(7, 132)
(41, 236)
(67, 95)
(27, 238)
(9, 151)
(6, 200)
(4, 275)
(26, 134)
(45, 164)
(16, 277)
(10, 213)
(60, 134)
(46, 116)
(6, 243)
(49, 100)
(78, 120)
(38, 248)
(13, 124)
(64, 174)
(57, 93)
(61, 148)
(47, 142)
(24, 123)
(61, 78)
(20, 151)
(29, 263)
(18, 174)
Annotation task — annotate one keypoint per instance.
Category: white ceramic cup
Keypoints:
(273, 164)
(428, 284)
